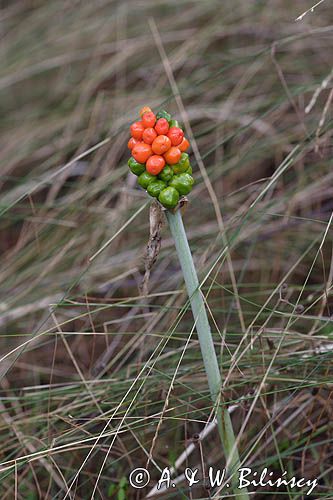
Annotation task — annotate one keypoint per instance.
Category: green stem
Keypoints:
(207, 348)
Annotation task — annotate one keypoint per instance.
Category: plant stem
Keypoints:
(207, 348)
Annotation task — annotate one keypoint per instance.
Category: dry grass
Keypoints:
(85, 366)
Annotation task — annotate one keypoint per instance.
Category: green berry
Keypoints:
(174, 123)
(169, 197)
(145, 179)
(155, 187)
(183, 183)
(163, 114)
(182, 165)
(166, 174)
(136, 167)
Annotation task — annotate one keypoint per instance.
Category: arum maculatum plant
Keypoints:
(160, 161)
(159, 157)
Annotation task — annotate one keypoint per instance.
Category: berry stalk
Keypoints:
(207, 349)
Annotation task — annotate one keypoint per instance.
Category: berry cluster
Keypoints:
(159, 157)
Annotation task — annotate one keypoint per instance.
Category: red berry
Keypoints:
(162, 126)
(175, 135)
(149, 135)
(172, 156)
(161, 144)
(131, 143)
(184, 145)
(145, 109)
(148, 119)
(137, 129)
(141, 152)
(155, 164)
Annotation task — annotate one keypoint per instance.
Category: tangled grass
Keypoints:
(87, 365)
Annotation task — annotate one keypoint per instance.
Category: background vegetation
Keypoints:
(94, 380)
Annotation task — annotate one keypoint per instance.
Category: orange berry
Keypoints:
(148, 119)
(149, 135)
(145, 109)
(162, 126)
(175, 135)
(141, 152)
(172, 156)
(155, 164)
(137, 129)
(161, 144)
(131, 143)
(184, 145)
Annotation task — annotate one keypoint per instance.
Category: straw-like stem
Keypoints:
(207, 349)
